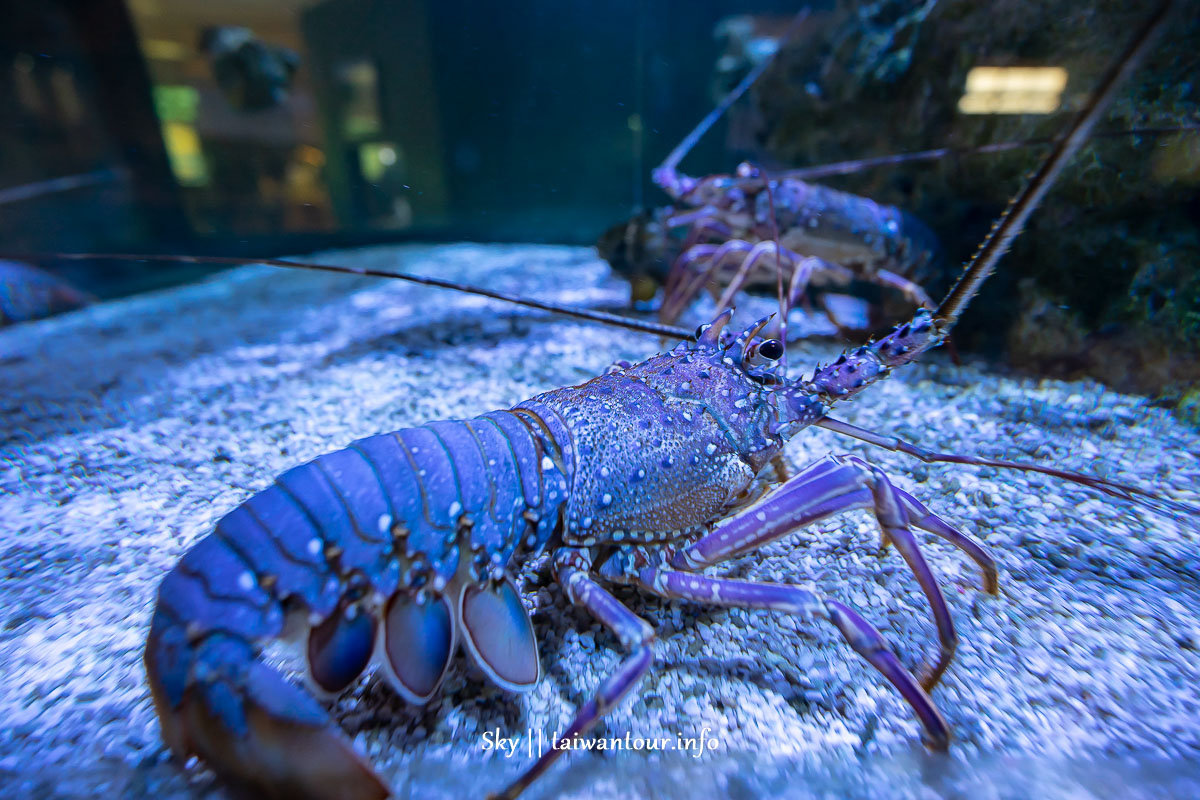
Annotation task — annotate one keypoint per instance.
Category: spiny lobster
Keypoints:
(779, 232)
(402, 546)
(754, 228)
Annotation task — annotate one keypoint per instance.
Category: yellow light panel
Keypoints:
(1013, 90)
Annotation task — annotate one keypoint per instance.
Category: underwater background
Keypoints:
(511, 146)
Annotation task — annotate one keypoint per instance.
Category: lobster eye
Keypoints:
(700, 331)
(772, 349)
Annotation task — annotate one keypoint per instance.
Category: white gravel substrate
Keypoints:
(131, 427)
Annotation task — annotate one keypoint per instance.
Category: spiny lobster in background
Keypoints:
(403, 546)
(754, 228)
(780, 233)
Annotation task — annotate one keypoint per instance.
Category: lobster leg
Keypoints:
(912, 291)
(756, 254)
(828, 487)
(683, 292)
(635, 634)
(788, 599)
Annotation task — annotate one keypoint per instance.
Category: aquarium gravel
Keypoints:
(131, 427)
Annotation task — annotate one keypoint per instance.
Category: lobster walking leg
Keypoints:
(787, 599)
(912, 291)
(830, 486)
(748, 265)
(634, 633)
(681, 292)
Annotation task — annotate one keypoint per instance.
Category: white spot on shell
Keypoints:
(314, 547)
(606, 499)
(547, 463)
(710, 448)
(385, 522)
(246, 581)
(455, 508)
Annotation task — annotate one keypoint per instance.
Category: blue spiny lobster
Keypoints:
(402, 547)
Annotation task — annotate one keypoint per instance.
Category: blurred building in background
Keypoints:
(250, 127)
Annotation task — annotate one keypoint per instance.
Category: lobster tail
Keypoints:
(395, 550)
(216, 700)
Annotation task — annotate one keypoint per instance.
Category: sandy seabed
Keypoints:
(131, 427)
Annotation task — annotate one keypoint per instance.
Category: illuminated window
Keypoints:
(374, 159)
(1013, 90)
(184, 153)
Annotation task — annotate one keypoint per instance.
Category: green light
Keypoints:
(176, 103)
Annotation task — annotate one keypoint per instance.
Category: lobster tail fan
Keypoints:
(500, 636)
(418, 641)
(339, 649)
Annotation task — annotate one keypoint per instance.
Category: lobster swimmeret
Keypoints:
(403, 546)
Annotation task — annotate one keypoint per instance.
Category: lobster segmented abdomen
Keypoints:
(397, 548)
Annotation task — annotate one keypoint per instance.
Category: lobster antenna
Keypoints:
(689, 141)
(1012, 222)
(860, 164)
(656, 328)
